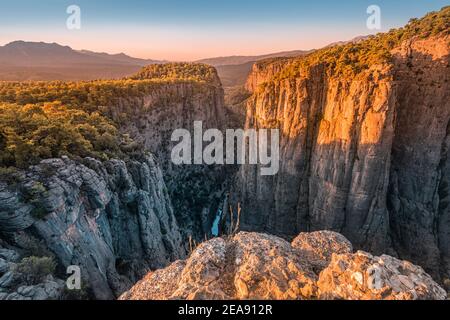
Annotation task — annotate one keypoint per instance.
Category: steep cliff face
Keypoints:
(418, 197)
(116, 219)
(365, 155)
(332, 130)
(195, 190)
(263, 70)
(113, 219)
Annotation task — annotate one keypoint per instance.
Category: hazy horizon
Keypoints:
(185, 31)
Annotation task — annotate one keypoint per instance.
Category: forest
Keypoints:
(40, 120)
(351, 59)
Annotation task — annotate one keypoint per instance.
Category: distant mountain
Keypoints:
(233, 70)
(121, 58)
(235, 60)
(20, 60)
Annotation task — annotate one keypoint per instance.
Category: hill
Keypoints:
(21, 61)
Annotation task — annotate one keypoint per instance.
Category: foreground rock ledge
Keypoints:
(318, 265)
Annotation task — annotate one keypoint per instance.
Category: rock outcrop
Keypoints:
(363, 276)
(113, 219)
(259, 266)
(365, 156)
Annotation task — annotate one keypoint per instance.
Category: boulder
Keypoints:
(317, 265)
(319, 246)
(361, 276)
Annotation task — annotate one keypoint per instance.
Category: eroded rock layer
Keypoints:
(365, 156)
(113, 219)
(195, 189)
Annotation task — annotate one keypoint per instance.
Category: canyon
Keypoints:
(366, 157)
(114, 220)
(364, 138)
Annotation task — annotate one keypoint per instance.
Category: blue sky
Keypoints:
(188, 30)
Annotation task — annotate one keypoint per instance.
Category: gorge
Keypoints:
(364, 138)
(363, 151)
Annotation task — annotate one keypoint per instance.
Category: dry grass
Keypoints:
(234, 228)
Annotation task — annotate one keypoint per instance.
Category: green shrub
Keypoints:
(32, 246)
(33, 269)
(10, 175)
(34, 195)
(447, 284)
(39, 211)
(31, 133)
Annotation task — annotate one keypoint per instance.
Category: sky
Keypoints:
(190, 30)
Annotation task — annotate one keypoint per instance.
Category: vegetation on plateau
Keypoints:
(178, 71)
(351, 59)
(85, 95)
(34, 132)
(40, 120)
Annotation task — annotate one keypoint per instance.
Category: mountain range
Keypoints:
(20, 60)
(23, 60)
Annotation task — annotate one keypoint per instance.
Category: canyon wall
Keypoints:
(113, 219)
(365, 156)
(195, 190)
(118, 218)
(418, 197)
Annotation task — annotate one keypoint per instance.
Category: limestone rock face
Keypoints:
(195, 190)
(50, 289)
(334, 157)
(260, 266)
(319, 247)
(365, 157)
(11, 281)
(157, 285)
(361, 276)
(233, 269)
(113, 219)
(419, 194)
(263, 70)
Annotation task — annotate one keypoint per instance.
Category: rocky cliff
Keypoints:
(363, 151)
(418, 193)
(364, 143)
(195, 190)
(259, 266)
(116, 219)
(113, 219)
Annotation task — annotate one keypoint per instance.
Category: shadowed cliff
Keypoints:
(364, 144)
